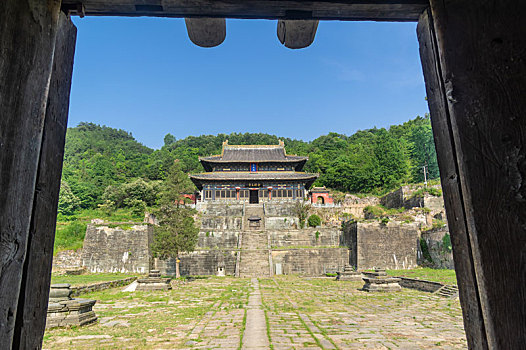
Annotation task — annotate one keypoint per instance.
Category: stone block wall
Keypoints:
(281, 209)
(200, 262)
(394, 199)
(117, 249)
(309, 262)
(441, 256)
(67, 259)
(391, 246)
(326, 237)
(220, 208)
(221, 223)
(217, 239)
(281, 223)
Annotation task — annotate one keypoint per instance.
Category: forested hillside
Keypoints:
(108, 168)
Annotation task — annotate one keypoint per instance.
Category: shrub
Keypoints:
(384, 221)
(314, 221)
(446, 243)
(137, 206)
(301, 209)
(373, 211)
(317, 235)
(68, 203)
(425, 250)
(71, 236)
(437, 223)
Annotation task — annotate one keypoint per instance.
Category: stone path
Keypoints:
(284, 312)
(255, 335)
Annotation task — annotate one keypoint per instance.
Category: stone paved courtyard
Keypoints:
(286, 312)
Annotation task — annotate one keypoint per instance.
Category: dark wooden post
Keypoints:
(27, 41)
(34, 292)
(473, 57)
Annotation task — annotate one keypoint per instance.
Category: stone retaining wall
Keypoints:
(392, 246)
(200, 262)
(306, 237)
(309, 262)
(98, 286)
(421, 285)
(441, 256)
(117, 249)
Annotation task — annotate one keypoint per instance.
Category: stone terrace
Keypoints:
(299, 313)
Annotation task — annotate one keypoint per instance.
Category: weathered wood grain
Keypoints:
(206, 32)
(27, 40)
(34, 292)
(376, 10)
(481, 51)
(297, 34)
(448, 164)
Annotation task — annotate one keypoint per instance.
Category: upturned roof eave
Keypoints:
(296, 159)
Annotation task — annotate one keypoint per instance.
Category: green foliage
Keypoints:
(70, 236)
(374, 211)
(384, 221)
(175, 185)
(98, 156)
(430, 190)
(102, 163)
(177, 231)
(68, 203)
(446, 243)
(317, 235)
(138, 193)
(437, 223)
(301, 210)
(425, 250)
(314, 221)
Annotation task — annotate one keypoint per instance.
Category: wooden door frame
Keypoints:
(472, 57)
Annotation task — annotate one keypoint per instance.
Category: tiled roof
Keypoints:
(253, 153)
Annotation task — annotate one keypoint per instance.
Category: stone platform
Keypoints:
(63, 311)
(153, 282)
(349, 274)
(379, 281)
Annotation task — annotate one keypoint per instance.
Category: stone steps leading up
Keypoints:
(254, 263)
(447, 291)
(254, 240)
(254, 210)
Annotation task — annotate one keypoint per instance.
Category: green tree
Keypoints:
(177, 231)
(314, 220)
(67, 201)
(301, 209)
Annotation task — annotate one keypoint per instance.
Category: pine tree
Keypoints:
(177, 231)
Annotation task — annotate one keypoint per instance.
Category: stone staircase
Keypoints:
(254, 261)
(448, 291)
(253, 210)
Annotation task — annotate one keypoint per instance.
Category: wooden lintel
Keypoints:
(206, 32)
(374, 10)
(297, 34)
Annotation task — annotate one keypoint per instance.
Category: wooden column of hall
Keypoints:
(33, 106)
(32, 304)
(474, 62)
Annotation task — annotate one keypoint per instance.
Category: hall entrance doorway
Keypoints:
(254, 198)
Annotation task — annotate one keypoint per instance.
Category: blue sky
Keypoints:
(145, 76)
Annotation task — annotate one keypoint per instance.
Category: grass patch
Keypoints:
(76, 280)
(71, 229)
(436, 275)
